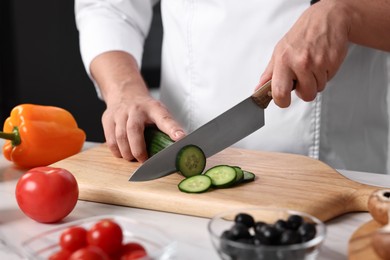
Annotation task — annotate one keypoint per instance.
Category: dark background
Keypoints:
(40, 62)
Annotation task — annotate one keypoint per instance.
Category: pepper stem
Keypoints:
(14, 136)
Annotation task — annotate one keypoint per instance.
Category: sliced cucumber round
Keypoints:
(195, 184)
(240, 174)
(190, 161)
(222, 176)
(248, 176)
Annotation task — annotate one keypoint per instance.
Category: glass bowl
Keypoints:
(228, 247)
(157, 244)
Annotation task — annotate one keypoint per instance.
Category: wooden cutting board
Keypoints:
(360, 247)
(282, 180)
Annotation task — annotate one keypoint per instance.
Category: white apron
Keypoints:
(214, 52)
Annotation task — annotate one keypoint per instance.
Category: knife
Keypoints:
(214, 136)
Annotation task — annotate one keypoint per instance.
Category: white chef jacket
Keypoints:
(213, 54)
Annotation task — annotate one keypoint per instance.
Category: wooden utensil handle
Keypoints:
(263, 95)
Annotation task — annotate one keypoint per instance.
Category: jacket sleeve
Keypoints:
(108, 25)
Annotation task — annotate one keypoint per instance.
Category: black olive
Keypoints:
(227, 235)
(269, 235)
(280, 225)
(258, 228)
(260, 239)
(245, 219)
(307, 231)
(289, 237)
(239, 231)
(294, 221)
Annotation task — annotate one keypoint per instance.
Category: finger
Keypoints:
(321, 74)
(121, 135)
(165, 122)
(321, 79)
(109, 134)
(267, 74)
(306, 87)
(282, 84)
(168, 125)
(136, 140)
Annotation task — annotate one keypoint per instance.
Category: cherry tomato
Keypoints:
(128, 248)
(132, 246)
(107, 235)
(137, 254)
(60, 255)
(89, 253)
(47, 194)
(73, 238)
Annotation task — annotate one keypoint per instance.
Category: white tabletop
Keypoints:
(190, 233)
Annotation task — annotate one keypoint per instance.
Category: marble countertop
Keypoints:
(194, 243)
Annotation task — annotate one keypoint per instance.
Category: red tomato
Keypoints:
(131, 246)
(60, 255)
(89, 253)
(47, 194)
(107, 235)
(127, 249)
(73, 238)
(137, 254)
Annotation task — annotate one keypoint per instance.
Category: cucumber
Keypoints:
(190, 160)
(248, 176)
(240, 174)
(222, 176)
(156, 140)
(195, 184)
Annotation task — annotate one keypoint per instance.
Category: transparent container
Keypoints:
(229, 249)
(156, 242)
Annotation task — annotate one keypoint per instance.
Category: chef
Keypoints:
(216, 52)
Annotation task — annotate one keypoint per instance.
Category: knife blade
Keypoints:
(221, 132)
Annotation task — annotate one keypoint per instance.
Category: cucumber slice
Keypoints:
(240, 174)
(248, 176)
(190, 161)
(222, 176)
(195, 184)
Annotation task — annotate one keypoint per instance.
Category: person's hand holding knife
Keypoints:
(312, 51)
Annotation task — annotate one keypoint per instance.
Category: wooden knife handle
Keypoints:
(263, 95)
